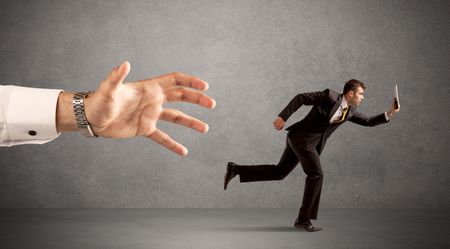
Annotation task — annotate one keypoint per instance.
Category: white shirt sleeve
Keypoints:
(27, 115)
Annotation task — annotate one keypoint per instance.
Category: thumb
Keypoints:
(118, 74)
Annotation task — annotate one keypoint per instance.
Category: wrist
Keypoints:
(78, 104)
(390, 113)
(65, 119)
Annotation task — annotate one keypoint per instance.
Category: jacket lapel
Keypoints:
(335, 106)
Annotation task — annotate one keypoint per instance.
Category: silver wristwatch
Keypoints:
(80, 114)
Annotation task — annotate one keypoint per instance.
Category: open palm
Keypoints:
(122, 110)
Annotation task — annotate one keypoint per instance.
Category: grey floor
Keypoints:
(221, 228)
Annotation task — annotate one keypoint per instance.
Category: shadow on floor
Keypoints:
(259, 229)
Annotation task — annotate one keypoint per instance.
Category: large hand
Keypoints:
(278, 123)
(119, 110)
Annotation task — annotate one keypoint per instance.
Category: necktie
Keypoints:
(344, 113)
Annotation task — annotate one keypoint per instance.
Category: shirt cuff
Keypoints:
(31, 115)
(386, 116)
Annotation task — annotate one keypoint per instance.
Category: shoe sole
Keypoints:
(300, 227)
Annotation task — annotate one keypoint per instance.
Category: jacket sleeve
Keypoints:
(364, 120)
(311, 98)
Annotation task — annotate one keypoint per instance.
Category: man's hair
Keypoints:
(352, 85)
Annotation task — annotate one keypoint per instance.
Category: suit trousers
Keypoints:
(292, 155)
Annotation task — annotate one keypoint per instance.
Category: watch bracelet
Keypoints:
(80, 114)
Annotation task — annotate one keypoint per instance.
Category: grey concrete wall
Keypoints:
(256, 55)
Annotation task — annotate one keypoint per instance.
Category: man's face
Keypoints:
(356, 97)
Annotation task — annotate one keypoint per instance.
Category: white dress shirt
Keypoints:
(338, 114)
(27, 115)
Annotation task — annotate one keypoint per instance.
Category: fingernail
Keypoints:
(213, 104)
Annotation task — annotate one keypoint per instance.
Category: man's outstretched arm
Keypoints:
(382, 118)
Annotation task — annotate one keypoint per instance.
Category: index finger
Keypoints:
(181, 79)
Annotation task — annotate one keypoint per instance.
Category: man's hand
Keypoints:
(278, 123)
(123, 110)
(393, 110)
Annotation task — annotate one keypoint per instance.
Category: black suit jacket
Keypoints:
(313, 131)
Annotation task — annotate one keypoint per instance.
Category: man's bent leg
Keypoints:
(252, 173)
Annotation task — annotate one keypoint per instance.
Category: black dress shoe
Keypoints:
(306, 225)
(229, 174)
